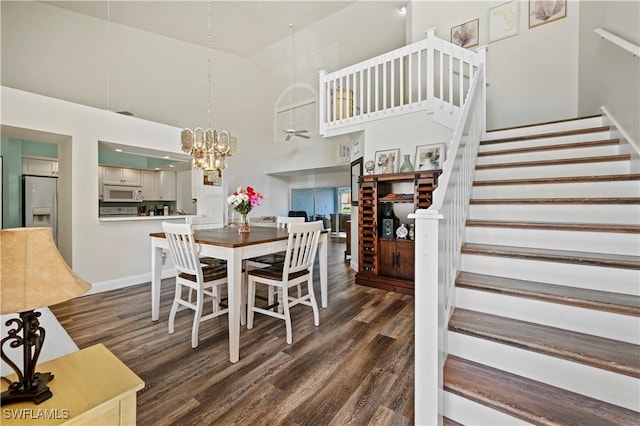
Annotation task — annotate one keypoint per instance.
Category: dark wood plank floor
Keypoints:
(356, 368)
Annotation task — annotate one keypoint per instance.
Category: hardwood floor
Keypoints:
(356, 368)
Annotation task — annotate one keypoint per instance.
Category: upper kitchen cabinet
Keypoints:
(150, 183)
(121, 176)
(168, 185)
(39, 167)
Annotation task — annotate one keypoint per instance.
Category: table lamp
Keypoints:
(33, 274)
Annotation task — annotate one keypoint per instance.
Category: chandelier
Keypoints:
(208, 148)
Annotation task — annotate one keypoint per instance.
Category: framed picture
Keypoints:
(430, 157)
(503, 21)
(356, 172)
(543, 12)
(387, 161)
(466, 35)
(212, 178)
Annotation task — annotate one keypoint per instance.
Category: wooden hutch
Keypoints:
(385, 261)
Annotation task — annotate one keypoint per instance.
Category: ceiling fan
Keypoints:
(290, 131)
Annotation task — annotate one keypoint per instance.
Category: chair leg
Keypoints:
(216, 298)
(251, 301)
(196, 319)
(314, 304)
(287, 315)
(174, 307)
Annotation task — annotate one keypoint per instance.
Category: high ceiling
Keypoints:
(238, 27)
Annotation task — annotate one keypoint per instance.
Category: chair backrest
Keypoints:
(298, 213)
(284, 221)
(301, 246)
(183, 248)
(203, 222)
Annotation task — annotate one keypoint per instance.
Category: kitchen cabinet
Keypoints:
(168, 185)
(385, 261)
(149, 180)
(39, 167)
(120, 176)
(100, 190)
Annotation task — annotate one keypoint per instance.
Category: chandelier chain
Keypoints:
(209, 63)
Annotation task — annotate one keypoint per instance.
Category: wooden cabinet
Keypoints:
(39, 167)
(389, 262)
(120, 176)
(397, 258)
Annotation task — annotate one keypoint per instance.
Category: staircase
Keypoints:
(546, 326)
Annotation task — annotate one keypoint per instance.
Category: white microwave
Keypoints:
(122, 194)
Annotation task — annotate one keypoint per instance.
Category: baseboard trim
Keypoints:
(102, 286)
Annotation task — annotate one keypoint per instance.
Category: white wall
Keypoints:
(532, 76)
(610, 76)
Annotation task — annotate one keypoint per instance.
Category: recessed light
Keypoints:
(157, 168)
(118, 150)
(171, 165)
(402, 9)
(167, 157)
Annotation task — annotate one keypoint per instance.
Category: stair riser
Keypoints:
(564, 170)
(616, 280)
(547, 128)
(550, 154)
(589, 213)
(594, 242)
(467, 412)
(555, 190)
(598, 323)
(537, 142)
(583, 379)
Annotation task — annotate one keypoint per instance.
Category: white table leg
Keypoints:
(323, 269)
(156, 277)
(234, 279)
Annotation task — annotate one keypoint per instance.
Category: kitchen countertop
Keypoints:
(139, 218)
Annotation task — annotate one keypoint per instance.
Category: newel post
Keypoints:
(428, 405)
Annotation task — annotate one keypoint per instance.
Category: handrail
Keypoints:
(429, 75)
(618, 41)
(439, 233)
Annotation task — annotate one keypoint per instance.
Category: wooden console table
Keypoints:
(90, 387)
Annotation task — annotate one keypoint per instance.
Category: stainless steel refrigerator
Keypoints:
(40, 203)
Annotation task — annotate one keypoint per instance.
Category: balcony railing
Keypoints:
(430, 75)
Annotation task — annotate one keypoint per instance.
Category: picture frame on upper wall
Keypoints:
(387, 161)
(466, 35)
(356, 172)
(503, 21)
(544, 12)
(430, 157)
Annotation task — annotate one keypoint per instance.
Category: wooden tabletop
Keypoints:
(230, 237)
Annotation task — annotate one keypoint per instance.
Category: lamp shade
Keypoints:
(33, 274)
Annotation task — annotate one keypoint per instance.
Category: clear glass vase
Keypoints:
(243, 224)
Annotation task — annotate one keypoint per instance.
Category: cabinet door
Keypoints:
(131, 176)
(387, 257)
(148, 185)
(405, 259)
(112, 176)
(38, 167)
(168, 180)
(100, 192)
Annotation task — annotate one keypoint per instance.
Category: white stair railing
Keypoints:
(430, 75)
(439, 234)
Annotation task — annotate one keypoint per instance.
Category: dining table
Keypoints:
(228, 244)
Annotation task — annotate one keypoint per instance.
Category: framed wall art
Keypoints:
(503, 21)
(387, 161)
(356, 172)
(544, 12)
(430, 157)
(466, 35)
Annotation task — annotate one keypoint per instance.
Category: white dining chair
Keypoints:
(206, 281)
(267, 260)
(206, 222)
(295, 270)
